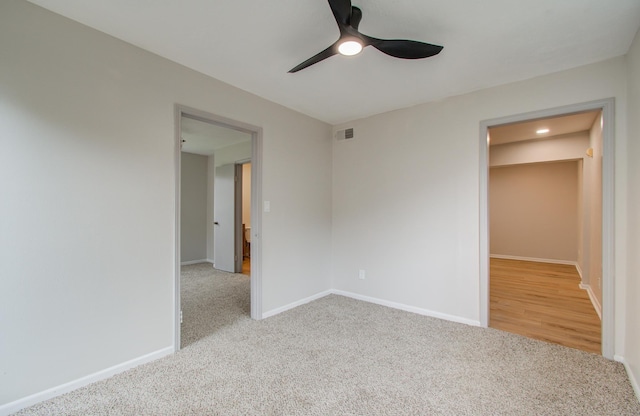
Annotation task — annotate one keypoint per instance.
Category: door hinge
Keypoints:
(180, 315)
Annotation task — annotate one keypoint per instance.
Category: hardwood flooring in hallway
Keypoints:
(543, 301)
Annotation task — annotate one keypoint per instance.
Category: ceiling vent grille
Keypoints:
(344, 134)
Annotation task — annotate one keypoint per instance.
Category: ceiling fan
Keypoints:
(351, 42)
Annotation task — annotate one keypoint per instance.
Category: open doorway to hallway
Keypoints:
(546, 277)
(246, 218)
(545, 221)
(217, 189)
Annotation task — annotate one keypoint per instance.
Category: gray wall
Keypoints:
(406, 193)
(193, 208)
(87, 214)
(88, 144)
(632, 245)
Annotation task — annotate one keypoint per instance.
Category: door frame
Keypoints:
(227, 217)
(256, 197)
(237, 218)
(608, 223)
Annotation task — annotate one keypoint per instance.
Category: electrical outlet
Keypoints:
(361, 274)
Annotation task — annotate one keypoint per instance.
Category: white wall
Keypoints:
(229, 154)
(234, 153)
(632, 245)
(406, 192)
(193, 207)
(87, 229)
(534, 211)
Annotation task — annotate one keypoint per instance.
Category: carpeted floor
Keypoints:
(211, 300)
(339, 356)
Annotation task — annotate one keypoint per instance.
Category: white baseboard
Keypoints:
(407, 308)
(535, 259)
(187, 263)
(594, 300)
(285, 308)
(9, 408)
(395, 305)
(632, 377)
(579, 271)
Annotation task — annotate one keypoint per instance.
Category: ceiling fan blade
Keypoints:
(356, 16)
(330, 51)
(407, 49)
(341, 11)
(348, 19)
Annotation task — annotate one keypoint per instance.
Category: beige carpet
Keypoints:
(339, 356)
(211, 300)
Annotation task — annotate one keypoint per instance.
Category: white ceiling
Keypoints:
(205, 138)
(557, 126)
(252, 44)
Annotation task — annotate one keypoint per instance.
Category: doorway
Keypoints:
(571, 165)
(229, 152)
(232, 210)
(246, 218)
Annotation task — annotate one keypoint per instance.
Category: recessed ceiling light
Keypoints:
(542, 131)
(349, 48)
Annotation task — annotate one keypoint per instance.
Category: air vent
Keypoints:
(344, 134)
(348, 134)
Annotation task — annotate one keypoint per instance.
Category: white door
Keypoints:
(224, 213)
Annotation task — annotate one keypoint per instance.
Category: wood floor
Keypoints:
(246, 266)
(543, 301)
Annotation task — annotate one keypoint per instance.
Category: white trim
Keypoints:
(579, 269)
(394, 305)
(36, 398)
(187, 263)
(608, 218)
(632, 378)
(593, 298)
(407, 308)
(534, 259)
(300, 302)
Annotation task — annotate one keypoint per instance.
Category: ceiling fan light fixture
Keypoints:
(350, 48)
(351, 41)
